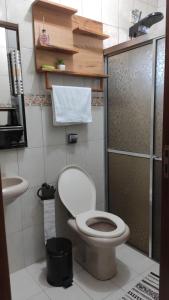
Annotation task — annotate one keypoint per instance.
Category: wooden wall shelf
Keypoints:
(74, 35)
(54, 6)
(58, 49)
(73, 73)
(101, 77)
(91, 33)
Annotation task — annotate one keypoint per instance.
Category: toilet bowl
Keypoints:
(96, 233)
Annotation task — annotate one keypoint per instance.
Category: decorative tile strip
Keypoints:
(37, 100)
(45, 100)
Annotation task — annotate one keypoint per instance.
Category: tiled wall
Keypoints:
(162, 8)
(47, 150)
(46, 155)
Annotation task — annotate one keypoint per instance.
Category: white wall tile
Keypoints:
(89, 156)
(113, 33)
(145, 8)
(17, 11)
(161, 3)
(100, 206)
(2, 10)
(26, 33)
(125, 8)
(13, 216)
(55, 161)
(9, 162)
(52, 135)
(32, 208)
(34, 126)
(78, 155)
(110, 12)
(153, 2)
(33, 242)
(89, 132)
(31, 165)
(30, 77)
(20, 12)
(15, 251)
(123, 35)
(92, 9)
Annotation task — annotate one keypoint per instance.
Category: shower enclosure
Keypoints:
(134, 138)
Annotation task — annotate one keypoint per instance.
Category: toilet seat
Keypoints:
(83, 218)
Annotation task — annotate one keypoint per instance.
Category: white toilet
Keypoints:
(96, 233)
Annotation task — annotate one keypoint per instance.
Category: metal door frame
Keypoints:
(115, 50)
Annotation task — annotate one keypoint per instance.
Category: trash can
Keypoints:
(59, 262)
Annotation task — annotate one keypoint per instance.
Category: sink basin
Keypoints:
(13, 187)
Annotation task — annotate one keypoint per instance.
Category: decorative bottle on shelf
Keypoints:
(44, 36)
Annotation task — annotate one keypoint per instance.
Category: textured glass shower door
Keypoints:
(134, 122)
(130, 105)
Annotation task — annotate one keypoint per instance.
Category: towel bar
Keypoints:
(49, 87)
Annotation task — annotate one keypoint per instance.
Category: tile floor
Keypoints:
(30, 283)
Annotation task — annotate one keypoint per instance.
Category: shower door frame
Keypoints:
(113, 51)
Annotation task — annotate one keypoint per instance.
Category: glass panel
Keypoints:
(159, 96)
(129, 100)
(129, 195)
(157, 209)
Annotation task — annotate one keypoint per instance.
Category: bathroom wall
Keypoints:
(47, 151)
(162, 8)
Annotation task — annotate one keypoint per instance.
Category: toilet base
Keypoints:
(99, 262)
(96, 256)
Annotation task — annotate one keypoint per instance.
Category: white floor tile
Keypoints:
(23, 286)
(41, 296)
(38, 273)
(72, 293)
(133, 259)
(124, 274)
(116, 295)
(95, 288)
(31, 284)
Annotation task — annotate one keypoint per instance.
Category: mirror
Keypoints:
(4, 72)
(12, 114)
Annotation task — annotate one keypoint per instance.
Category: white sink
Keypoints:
(13, 187)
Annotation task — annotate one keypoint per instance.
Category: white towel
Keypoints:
(71, 105)
(49, 219)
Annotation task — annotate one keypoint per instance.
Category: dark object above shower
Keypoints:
(143, 25)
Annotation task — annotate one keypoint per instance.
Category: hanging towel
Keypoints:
(71, 105)
(17, 82)
(49, 219)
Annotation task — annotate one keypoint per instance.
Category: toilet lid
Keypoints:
(83, 219)
(76, 190)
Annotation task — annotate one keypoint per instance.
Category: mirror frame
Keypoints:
(15, 27)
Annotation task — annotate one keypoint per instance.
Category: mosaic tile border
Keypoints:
(45, 100)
